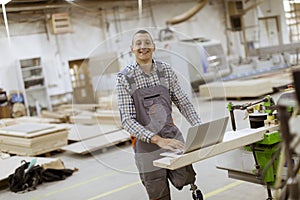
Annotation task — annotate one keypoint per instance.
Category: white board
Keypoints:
(100, 142)
(232, 140)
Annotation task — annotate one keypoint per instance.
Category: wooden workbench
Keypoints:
(232, 140)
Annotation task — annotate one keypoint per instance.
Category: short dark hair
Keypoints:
(142, 31)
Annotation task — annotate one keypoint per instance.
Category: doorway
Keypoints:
(81, 82)
(269, 31)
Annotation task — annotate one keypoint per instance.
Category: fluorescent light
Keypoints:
(140, 6)
(3, 2)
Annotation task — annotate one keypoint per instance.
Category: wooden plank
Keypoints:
(33, 146)
(83, 119)
(99, 142)
(80, 132)
(30, 142)
(108, 117)
(99, 117)
(232, 140)
(62, 117)
(81, 106)
(280, 80)
(14, 162)
(28, 119)
(236, 88)
(25, 134)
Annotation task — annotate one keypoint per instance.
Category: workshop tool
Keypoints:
(265, 143)
(265, 152)
(266, 105)
(291, 187)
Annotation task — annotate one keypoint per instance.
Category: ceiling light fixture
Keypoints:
(140, 5)
(3, 2)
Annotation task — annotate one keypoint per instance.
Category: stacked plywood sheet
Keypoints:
(245, 88)
(92, 127)
(97, 117)
(108, 117)
(79, 132)
(236, 89)
(89, 138)
(30, 139)
(100, 142)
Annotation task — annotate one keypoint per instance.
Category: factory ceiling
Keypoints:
(31, 5)
(36, 10)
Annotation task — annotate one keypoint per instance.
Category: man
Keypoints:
(146, 90)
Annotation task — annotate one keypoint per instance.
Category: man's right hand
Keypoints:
(167, 143)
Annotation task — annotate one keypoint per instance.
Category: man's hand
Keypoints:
(167, 143)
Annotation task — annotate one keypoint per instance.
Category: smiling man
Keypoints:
(146, 90)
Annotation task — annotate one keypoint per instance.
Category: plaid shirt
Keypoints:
(142, 80)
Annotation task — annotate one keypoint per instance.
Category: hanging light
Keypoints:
(140, 5)
(3, 2)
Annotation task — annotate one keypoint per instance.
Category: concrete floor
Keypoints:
(112, 175)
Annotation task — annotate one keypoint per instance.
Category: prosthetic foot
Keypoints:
(196, 193)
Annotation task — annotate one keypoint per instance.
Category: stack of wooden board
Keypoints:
(89, 138)
(92, 127)
(100, 142)
(98, 117)
(244, 88)
(30, 139)
(236, 89)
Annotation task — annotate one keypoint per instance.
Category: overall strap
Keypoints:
(161, 73)
(130, 79)
(129, 75)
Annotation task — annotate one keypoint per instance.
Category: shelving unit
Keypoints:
(34, 86)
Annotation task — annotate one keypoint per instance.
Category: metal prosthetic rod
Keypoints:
(196, 193)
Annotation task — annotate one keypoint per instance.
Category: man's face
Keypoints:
(143, 47)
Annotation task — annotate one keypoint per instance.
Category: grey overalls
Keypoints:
(153, 110)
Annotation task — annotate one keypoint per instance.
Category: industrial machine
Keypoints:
(200, 60)
(261, 113)
(269, 153)
(290, 133)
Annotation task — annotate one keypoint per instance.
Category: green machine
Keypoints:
(265, 152)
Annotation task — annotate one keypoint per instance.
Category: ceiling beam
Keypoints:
(31, 5)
